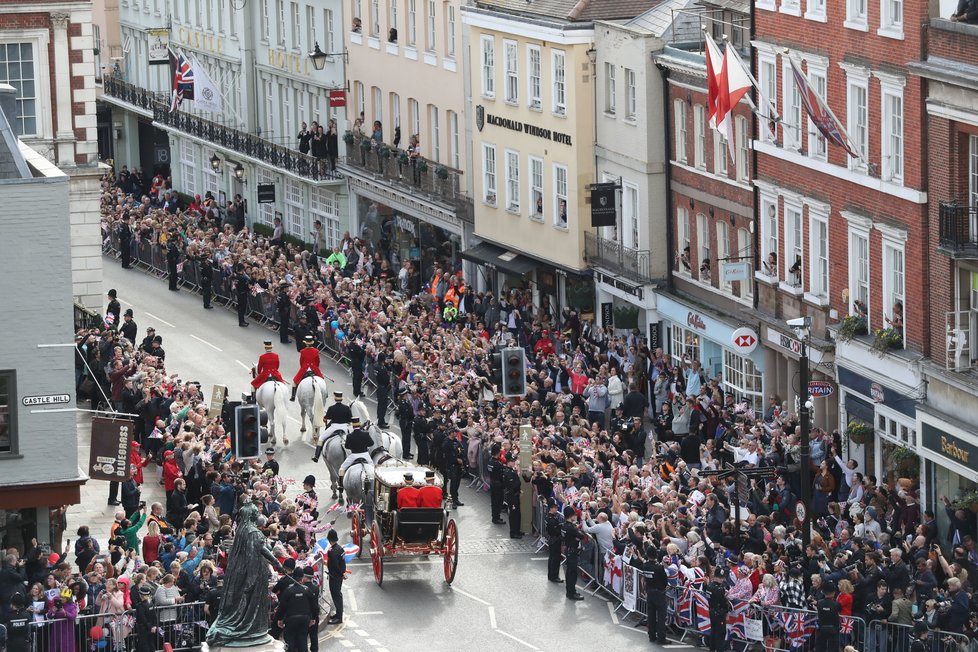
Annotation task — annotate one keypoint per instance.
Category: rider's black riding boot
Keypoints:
(319, 450)
(294, 387)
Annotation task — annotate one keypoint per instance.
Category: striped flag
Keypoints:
(183, 80)
(820, 113)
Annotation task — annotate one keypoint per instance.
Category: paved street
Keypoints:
(500, 599)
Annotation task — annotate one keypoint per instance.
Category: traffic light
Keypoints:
(496, 365)
(262, 426)
(246, 443)
(514, 372)
(228, 417)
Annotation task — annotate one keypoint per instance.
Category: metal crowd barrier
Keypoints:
(893, 637)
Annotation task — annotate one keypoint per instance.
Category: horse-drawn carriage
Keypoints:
(406, 531)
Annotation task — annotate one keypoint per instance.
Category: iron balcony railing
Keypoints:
(634, 264)
(132, 94)
(958, 232)
(414, 176)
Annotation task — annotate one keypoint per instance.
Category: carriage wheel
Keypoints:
(451, 550)
(377, 554)
(355, 533)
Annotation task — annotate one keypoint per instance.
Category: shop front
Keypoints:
(723, 348)
(878, 421)
(782, 367)
(624, 307)
(949, 449)
(402, 234)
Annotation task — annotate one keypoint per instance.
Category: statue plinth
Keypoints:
(271, 646)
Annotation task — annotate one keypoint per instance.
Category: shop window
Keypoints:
(8, 411)
(742, 379)
(892, 429)
(683, 343)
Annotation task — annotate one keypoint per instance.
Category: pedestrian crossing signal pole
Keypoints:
(514, 372)
(247, 432)
(526, 463)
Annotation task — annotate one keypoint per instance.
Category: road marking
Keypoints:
(518, 640)
(353, 601)
(246, 367)
(367, 562)
(344, 642)
(467, 595)
(539, 558)
(369, 613)
(124, 302)
(206, 342)
(492, 618)
(373, 642)
(152, 316)
(362, 633)
(293, 419)
(611, 610)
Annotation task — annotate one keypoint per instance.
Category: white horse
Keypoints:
(389, 440)
(273, 397)
(311, 395)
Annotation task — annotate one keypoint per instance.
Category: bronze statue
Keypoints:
(243, 619)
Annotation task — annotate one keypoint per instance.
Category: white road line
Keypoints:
(206, 342)
(353, 601)
(293, 419)
(492, 618)
(382, 649)
(611, 610)
(246, 367)
(370, 613)
(152, 316)
(374, 642)
(518, 640)
(467, 595)
(124, 302)
(362, 633)
(344, 642)
(539, 558)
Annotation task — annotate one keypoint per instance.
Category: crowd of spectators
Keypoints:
(625, 435)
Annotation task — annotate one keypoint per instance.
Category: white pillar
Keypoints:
(64, 136)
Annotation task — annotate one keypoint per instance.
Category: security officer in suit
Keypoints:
(207, 280)
(283, 305)
(271, 464)
(512, 488)
(308, 573)
(242, 291)
(357, 355)
(125, 242)
(300, 330)
(656, 582)
(421, 428)
(453, 457)
(405, 419)
(716, 596)
(172, 258)
(496, 471)
(827, 635)
(297, 610)
(573, 536)
(336, 569)
(382, 374)
(554, 533)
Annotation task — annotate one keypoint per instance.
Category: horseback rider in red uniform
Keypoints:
(268, 364)
(308, 361)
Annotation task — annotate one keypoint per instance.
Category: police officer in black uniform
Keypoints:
(337, 413)
(405, 419)
(283, 305)
(207, 280)
(242, 290)
(573, 536)
(656, 582)
(495, 469)
(512, 488)
(271, 464)
(357, 355)
(827, 635)
(453, 457)
(382, 374)
(716, 596)
(297, 610)
(128, 329)
(18, 624)
(336, 568)
(552, 529)
(307, 581)
(421, 428)
(172, 258)
(147, 621)
(125, 242)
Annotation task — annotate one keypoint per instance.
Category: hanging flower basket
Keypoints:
(365, 144)
(906, 461)
(859, 433)
(402, 157)
(850, 327)
(886, 339)
(348, 137)
(441, 172)
(384, 151)
(422, 166)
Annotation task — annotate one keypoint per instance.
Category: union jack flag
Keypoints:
(799, 627)
(819, 112)
(183, 80)
(684, 608)
(736, 627)
(845, 625)
(701, 612)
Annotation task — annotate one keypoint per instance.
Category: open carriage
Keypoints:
(406, 531)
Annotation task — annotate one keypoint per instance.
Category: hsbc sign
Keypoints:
(744, 340)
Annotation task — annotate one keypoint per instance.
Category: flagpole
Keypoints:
(772, 108)
(838, 123)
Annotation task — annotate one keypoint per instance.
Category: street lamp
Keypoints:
(318, 58)
(216, 163)
(802, 327)
(239, 172)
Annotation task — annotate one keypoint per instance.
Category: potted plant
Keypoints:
(886, 339)
(967, 500)
(402, 157)
(859, 433)
(905, 461)
(366, 144)
(348, 137)
(850, 327)
(422, 166)
(384, 151)
(441, 172)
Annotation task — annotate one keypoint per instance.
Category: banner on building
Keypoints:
(604, 210)
(206, 94)
(337, 98)
(108, 458)
(266, 193)
(607, 315)
(159, 47)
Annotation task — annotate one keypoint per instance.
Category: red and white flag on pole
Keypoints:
(727, 82)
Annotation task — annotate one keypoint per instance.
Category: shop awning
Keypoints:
(502, 259)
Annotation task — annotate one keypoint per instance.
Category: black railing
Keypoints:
(634, 264)
(247, 144)
(958, 232)
(132, 94)
(86, 318)
(412, 175)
